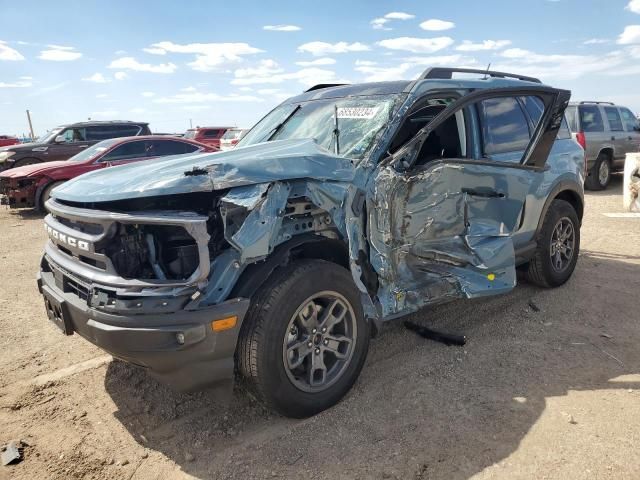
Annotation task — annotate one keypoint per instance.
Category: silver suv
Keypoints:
(607, 132)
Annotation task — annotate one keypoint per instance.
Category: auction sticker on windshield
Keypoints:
(357, 112)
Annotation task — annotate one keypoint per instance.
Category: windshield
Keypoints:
(231, 134)
(50, 135)
(359, 120)
(94, 150)
(190, 134)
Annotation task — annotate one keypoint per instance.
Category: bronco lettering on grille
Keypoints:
(66, 239)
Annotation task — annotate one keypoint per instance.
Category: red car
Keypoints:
(6, 140)
(31, 185)
(207, 135)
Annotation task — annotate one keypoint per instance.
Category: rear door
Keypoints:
(632, 130)
(618, 135)
(74, 142)
(598, 137)
(443, 228)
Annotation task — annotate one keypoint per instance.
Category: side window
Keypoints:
(564, 133)
(161, 148)
(590, 119)
(570, 115)
(615, 123)
(104, 132)
(534, 107)
(126, 151)
(212, 133)
(504, 125)
(629, 120)
(74, 135)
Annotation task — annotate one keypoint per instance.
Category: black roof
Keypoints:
(376, 88)
(90, 123)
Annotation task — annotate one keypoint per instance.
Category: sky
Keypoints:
(228, 63)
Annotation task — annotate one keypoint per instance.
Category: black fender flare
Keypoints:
(573, 189)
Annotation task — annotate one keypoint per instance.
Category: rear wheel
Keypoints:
(600, 175)
(305, 338)
(46, 195)
(558, 246)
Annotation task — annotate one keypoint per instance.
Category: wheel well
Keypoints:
(574, 199)
(608, 152)
(307, 246)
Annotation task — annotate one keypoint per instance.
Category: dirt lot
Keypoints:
(548, 386)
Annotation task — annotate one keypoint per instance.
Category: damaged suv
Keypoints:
(344, 207)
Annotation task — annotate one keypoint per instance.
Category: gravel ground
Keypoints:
(548, 386)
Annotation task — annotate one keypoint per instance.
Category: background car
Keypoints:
(31, 185)
(65, 141)
(231, 138)
(207, 135)
(6, 140)
(607, 132)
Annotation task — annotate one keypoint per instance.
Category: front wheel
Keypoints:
(46, 195)
(558, 246)
(305, 338)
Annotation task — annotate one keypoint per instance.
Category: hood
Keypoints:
(33, 170)
(23, 147)
(205, 172)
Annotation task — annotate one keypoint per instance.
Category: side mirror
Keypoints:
(60, 139)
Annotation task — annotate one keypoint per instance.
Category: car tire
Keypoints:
(600, 175)
(288, 336)
(552, 265)
(46, 194)
(25, 161)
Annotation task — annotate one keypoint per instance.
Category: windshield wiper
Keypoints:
(278, 127)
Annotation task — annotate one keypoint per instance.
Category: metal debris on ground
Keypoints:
(447, 338)
(533, 306)
(12, 452)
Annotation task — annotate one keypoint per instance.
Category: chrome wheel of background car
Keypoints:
(319, 342)
(562, 244)
(603, 172)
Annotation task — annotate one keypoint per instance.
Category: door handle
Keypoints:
(83, 146)
(483, 192)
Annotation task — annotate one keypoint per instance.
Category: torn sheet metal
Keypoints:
(261, 163)
(435, 244)
(248, 196)
(631, 183)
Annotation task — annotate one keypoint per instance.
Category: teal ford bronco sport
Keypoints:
(344, 207)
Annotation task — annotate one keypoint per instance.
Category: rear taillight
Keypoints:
(582, 140)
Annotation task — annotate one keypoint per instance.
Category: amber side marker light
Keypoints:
(224, 324)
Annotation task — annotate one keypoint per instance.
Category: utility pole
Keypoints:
(33, 136)
(190, 123)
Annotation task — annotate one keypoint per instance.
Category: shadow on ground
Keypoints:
(420, 409)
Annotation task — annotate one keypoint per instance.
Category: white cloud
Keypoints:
(595, 41)
(319, 61)
(468, 46)
(104, 114)
(130, 63)
(209, 56)
(268, 91)
(147, 94)
(59, 53)
(282, 28)
(102, 95)
(137, 110)
(630, 35)
(8, 53)
(23, 82)
(381, 22)
(188, 89)
(409, 68)
(269, 72)
(201, 97)
(120, 75)
(634, 6)
(365, 63)
(436, 25)
(417, 45)
(97, 78)
(323, 48)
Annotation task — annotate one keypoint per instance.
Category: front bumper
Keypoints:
(17, 196)
(150, 340)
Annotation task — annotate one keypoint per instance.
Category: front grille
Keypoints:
(72, 286)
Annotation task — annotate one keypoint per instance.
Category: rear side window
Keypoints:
(163, 148)
(629, 120)
(570, 115)
(615, 122)
(213, 133)
(104, 132)
(504, 125)
(126, 151)
(590, 119)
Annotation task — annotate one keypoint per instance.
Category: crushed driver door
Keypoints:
(443, 230)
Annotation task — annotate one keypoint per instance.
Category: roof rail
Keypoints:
(320, 86)
(447, 73)
(597, 103)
